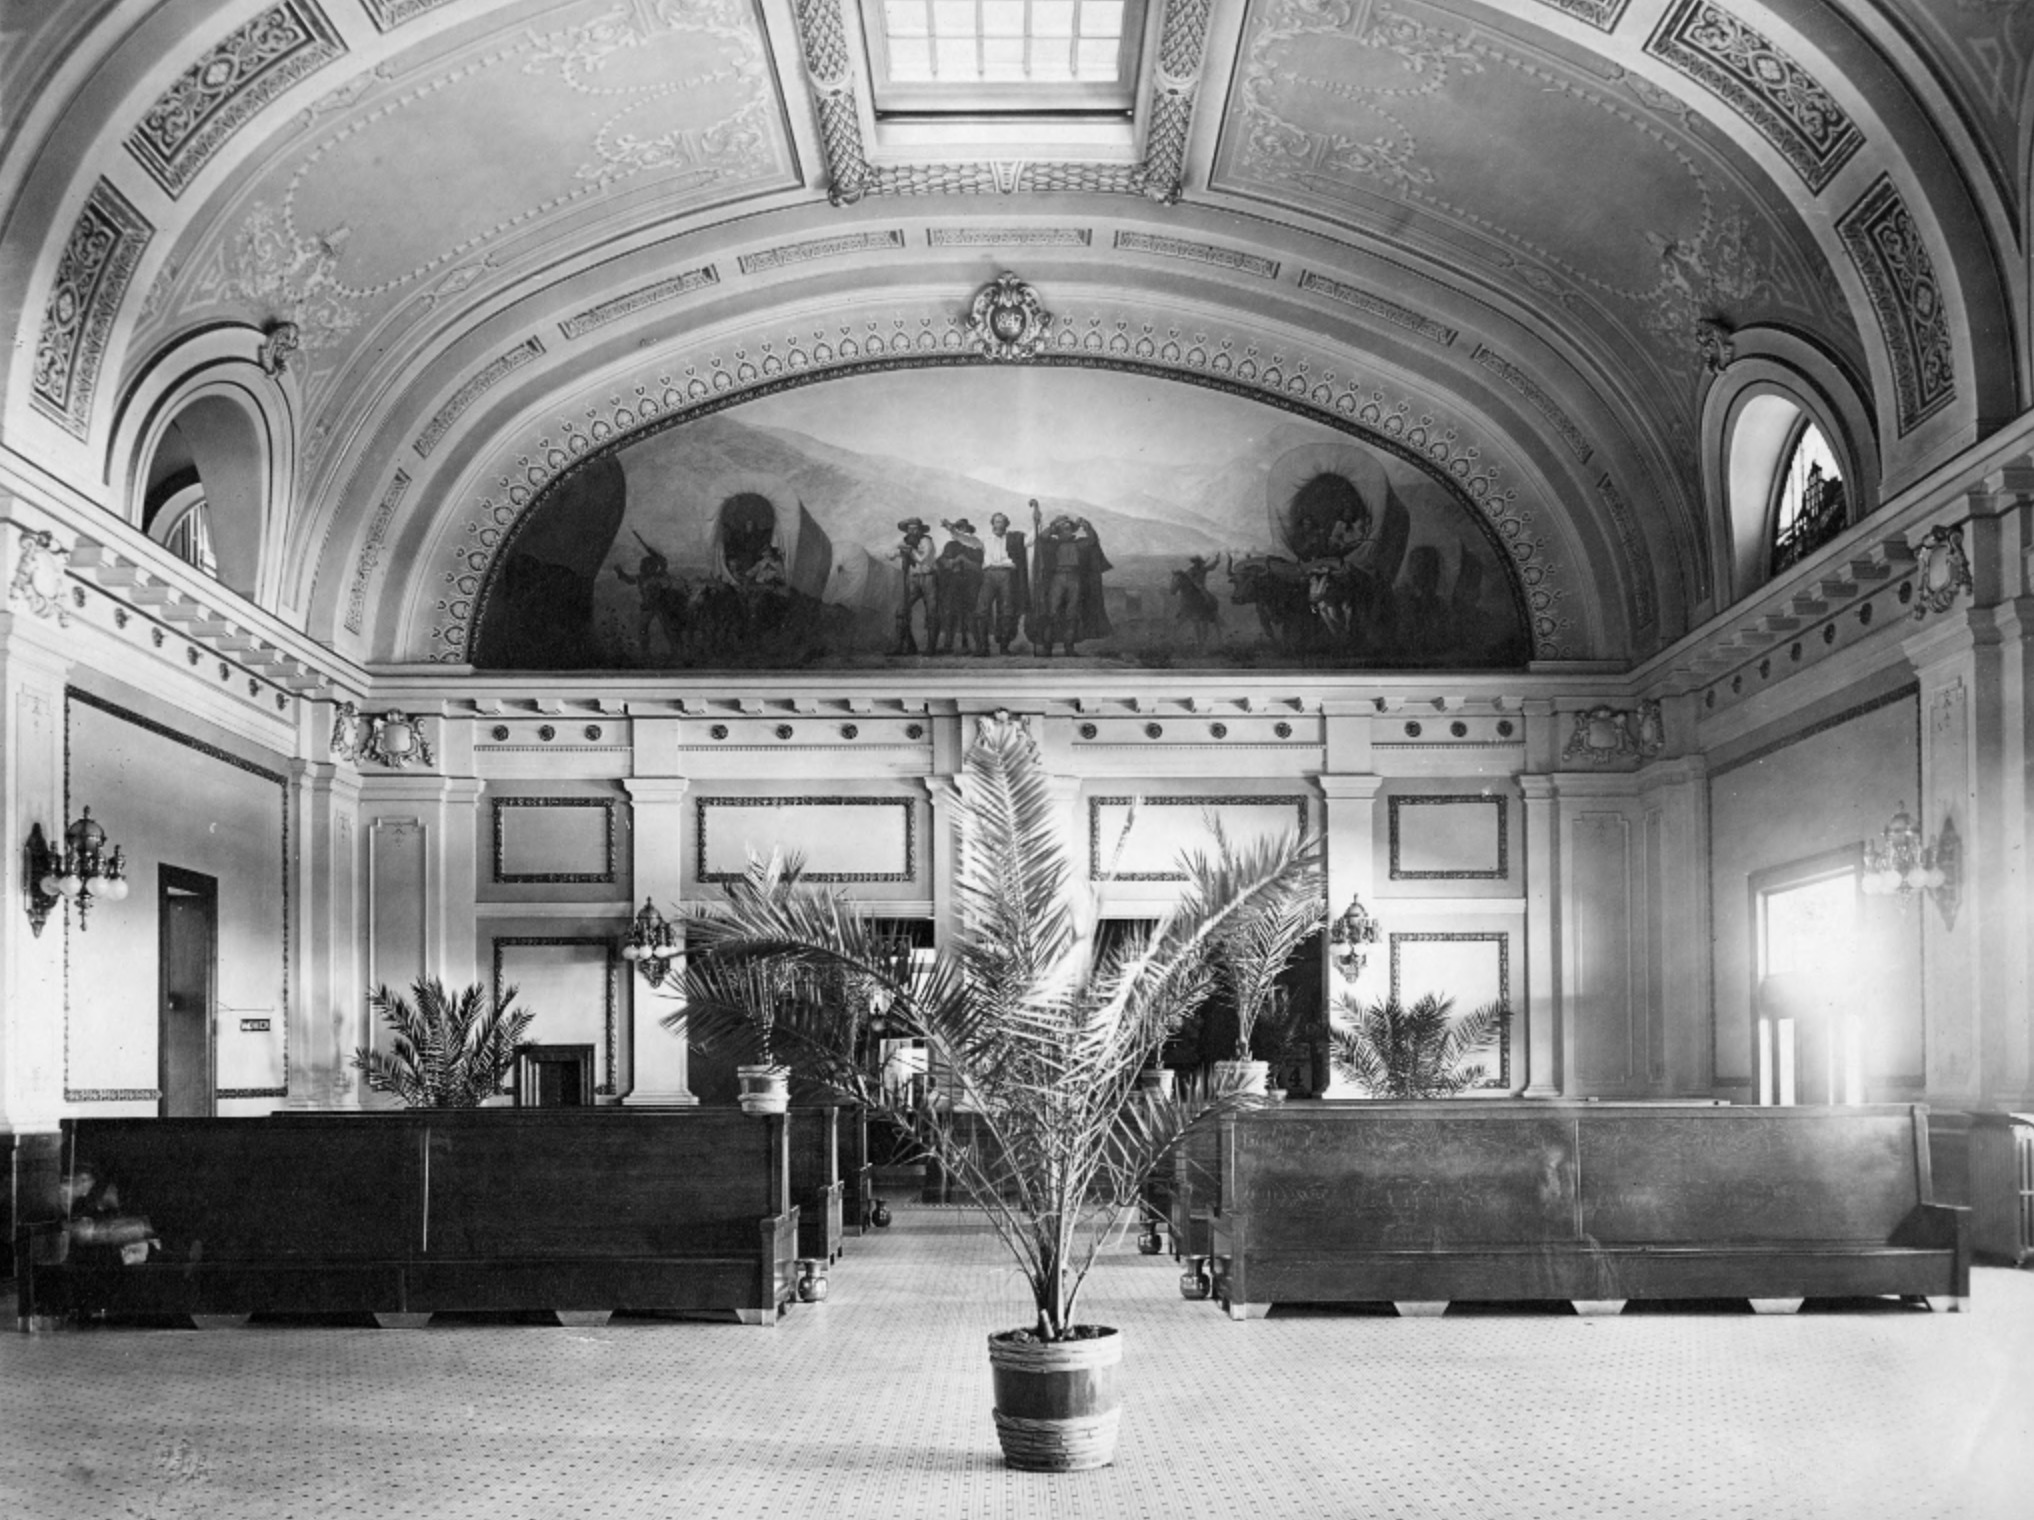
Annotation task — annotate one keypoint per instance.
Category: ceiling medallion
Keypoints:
(1007, 321)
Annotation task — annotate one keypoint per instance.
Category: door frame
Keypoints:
(176, 881)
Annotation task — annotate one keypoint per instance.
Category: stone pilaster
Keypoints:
(1540, 1013)
(328, 997)
(659, 1058)
(1349, 842)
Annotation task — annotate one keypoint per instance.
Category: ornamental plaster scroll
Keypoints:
(272, 266)
(92, 275)
(1886, 245)
(1763, 84)
(227, 86)
(1723, 264)
(1289, 374)
(1160, 175)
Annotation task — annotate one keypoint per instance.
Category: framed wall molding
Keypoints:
(74, 694)
(1502, 940)
(504, 808)
(906, 869)
(1400, 871)
(610, 999)
(1099, 848)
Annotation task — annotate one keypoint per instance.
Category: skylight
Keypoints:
(1003, 56)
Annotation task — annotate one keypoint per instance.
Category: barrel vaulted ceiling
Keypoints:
(1520, 238)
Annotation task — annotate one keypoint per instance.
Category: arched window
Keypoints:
(188, 535)
(1809, 502)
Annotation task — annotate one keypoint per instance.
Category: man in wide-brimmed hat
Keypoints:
(1067, 577)
(914, 553)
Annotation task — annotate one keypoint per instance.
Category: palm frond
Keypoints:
(1047, 1133)
(1394, 1050)
(446, 1050)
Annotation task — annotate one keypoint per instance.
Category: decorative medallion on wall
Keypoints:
(39, 576)
(222, 91)
(1886, 246)
(92, 275)
(1941, 570)
(394, 738)
(1762, 84)
(1007, 320)
(1605, 733)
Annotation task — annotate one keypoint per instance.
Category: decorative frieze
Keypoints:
(92, 275)
(1198, 253)
(1885, 244)
(786, 254)
(222, 91)
(475, 386)
(370, 550)
(1008, 237)
(387, 15)
(1541, 402)
(1601, 14)
(1644, 611)
(1762, 84)
(638, 300)
(1377, 306)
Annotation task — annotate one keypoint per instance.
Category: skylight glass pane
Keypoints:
(910, 58)
(956, 58)
(1003, 58)
(1098, 58)
(904, 18)
(1102, 18)
(1002, 18)
(1052, 18)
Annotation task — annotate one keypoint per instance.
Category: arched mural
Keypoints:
(1003, 514)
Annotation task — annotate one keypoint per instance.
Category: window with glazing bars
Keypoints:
(1810, 505)
(1003, 57)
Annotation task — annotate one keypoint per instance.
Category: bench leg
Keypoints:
(219, 1321)
(1776, 1305)
(582, 1319)
(402, 1321)
(1948, 1304)
(1247, 1311)
(1421, 1308)
(1596, 1306)
(757, 1316)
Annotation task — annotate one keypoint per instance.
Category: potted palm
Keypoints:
(1250, 950)
(1040, 1041)
(446, 1050)
(1392, 1050)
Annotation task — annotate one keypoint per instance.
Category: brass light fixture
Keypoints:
(650, 946)
(1902, 862)
(1351, 938)
(85, 869)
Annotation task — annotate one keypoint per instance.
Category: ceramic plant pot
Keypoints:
(1057, 1402)
(1245, 1076)
(765, 1089)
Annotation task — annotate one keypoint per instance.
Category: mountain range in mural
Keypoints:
(1215, 532)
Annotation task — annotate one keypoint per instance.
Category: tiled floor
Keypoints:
(876, 1404)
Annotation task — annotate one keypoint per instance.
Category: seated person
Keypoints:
(93, 1219)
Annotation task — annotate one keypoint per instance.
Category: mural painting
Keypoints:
(1015, 516)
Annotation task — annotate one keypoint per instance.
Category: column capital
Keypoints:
(654, 789)
(941, 790)
(1344, 788)
(1536, 787)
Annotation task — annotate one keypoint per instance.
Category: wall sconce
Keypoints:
(85, 869)
(651, 945)
(1351, 938)
(1900, 861)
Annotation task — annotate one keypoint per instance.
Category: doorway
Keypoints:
(1806, 998)
(187, 955)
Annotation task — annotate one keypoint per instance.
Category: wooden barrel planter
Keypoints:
(1057, 1401)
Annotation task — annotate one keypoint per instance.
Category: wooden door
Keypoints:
(188, 941)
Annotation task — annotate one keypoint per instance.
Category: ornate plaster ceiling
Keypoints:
(493, 222)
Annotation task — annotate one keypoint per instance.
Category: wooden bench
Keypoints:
(1422, 1204)
(401, 1215)
(857, 1172)
(816, 1185)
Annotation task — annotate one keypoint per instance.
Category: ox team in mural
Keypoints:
(1006, 515)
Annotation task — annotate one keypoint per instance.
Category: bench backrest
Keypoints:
(560, 1182)
(244, 1190)
(1433, 1176)
(815, 1148)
